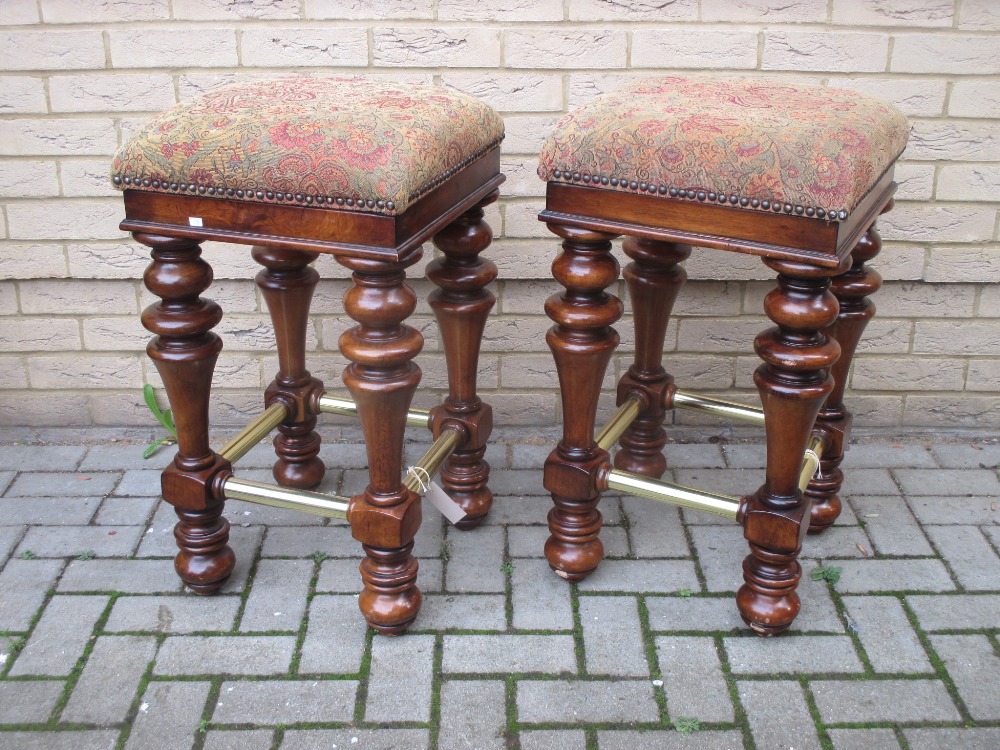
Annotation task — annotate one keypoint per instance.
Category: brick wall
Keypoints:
(79, 75)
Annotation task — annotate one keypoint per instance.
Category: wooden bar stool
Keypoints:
(364, 170)
(794, 174)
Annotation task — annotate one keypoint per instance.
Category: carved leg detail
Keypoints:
(382, 379)
(462, 305)
(851, 289)
(287, 283)
(582, 342)
(793, 383)
(185, 350)
(654, 280)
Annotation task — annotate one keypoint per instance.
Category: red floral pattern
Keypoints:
(760, 140)
(334, 142)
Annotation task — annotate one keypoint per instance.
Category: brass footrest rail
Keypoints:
(347, 408)
(418, 477)
(673, 494)
(254, 432)
(718, 407)
(331, 506)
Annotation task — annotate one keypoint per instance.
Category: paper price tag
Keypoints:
(440, 500)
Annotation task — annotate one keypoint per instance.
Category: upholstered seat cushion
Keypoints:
(757, 144)
(338, 143)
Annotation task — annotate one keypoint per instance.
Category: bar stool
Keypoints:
(794, 174)
(365, 170)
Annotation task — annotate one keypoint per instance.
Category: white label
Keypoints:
(440, 500)
(195, 221)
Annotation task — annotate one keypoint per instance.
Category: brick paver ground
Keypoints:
(100, 647)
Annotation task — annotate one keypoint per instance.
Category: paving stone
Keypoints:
(125, 511)
(975, 456)
(971, 558)
(612, 636)
(970, 511)
(541, 599)
(40, 457)
(295, 541)
(745, 455)
(641, 576)
(668, 739)
(168, 715)
(975, 670)
(143, 482)
(956, 612)
(399, 682)
(993, 534)
(870, 482)
(693, 680)
(355, 739)
(720, 551)
(123, 456)
(656, 529)
(968, 738)
(818, 613)
(28, 702)
(694, 456)
(23, 586)
(778, 714)
(277, 597)
(948, 482)
(10, 536)
(585, 702)
(862, 576)
(505, 654)
(886, 634)
(107, 686)
(47, 511)
(60, 636)
(341, 653)
(475, 560)
(553, 739)
(471, 612)
(64, 541)
(516, 482)
(686, 614)
(736, 482)
(863, 739)
(427, 542)
(101, 739)
(342, 576)
(529, 541)
(6, 477)
(239, 739)
(837, 542)
(125, 576)
(883, 700)
(473, 715)
(873, 456)
(61, 484)
(285, 701)
(813, 654)
(531, 509)
(216, 654)
(891, 526)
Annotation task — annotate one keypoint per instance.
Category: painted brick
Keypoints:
(915, 97)
(566, 48)
(22, 94)
(969, 183)
(637, 10)
(511, 92)
(64, 220)
(945, 53)
(511, 10)
(205, 10)
(111, 93)
(911, 13)
(280, 47)
(909, 373)
(39, 261)
(828, 51)
(57, 137)
(730, 49)
(363, 10)
(155, 48)
(24, 179)
(454, 47)
(39, 335)
(953, 141)
(974, 98)
(951, 337)
(963, 263)
(762, 10)
(927, 301)
(937, 223)
(95, 11)
(52, 50)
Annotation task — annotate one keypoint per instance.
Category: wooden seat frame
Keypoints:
(820, 309)
(378, 248)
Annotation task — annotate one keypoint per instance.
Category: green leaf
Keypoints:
(27, 555)
(164, 418)
(318, 556)
(155, 446)
(686, 726)
(86, 554)
(831, 574)
(684, 593)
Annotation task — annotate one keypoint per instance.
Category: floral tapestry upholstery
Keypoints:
(761, 145)
(338, 143)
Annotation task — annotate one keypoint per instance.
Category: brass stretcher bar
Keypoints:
(347, 408)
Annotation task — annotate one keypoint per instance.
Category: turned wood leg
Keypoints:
(793, 382)
(461, 305)
(582, 342)
(851, 289)
(654, 280)
(287, 283)
(382, 379)
(185, 350)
